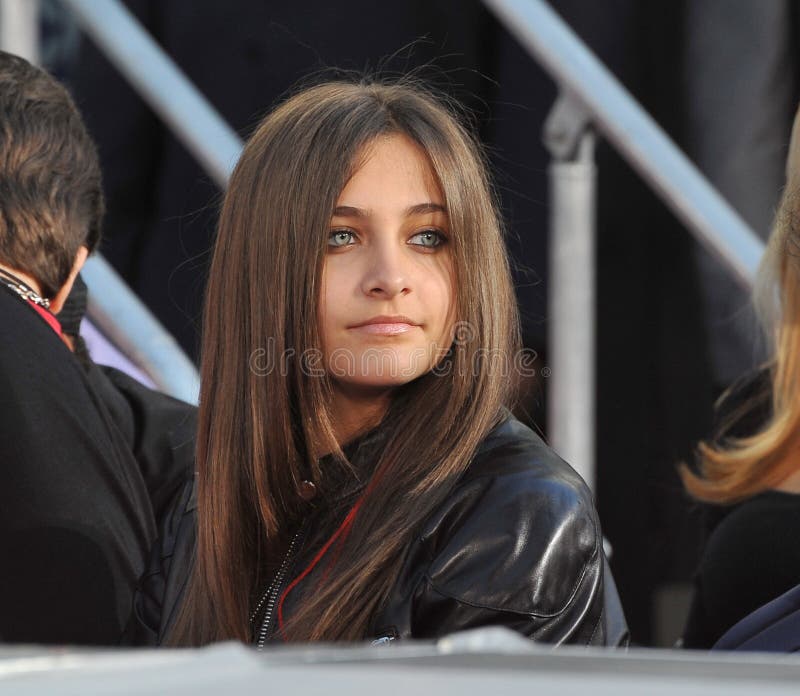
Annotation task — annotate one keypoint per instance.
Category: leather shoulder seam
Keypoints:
(534, 614)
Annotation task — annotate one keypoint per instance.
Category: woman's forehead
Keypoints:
(392, 169)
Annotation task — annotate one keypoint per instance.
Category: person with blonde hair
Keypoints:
(751, 472)
(359, 474)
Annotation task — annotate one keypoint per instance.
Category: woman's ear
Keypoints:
(57, 302)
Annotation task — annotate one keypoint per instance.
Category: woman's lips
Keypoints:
(385, 325)
(387, 329)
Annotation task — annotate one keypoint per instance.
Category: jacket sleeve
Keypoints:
(523, 552)
(161, 433)
(160, 590)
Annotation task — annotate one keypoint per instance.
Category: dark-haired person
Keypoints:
(76, 519)
(359, 474)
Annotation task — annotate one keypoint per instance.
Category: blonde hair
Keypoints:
(742, 467)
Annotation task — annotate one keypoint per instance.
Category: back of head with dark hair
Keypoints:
(51, 199)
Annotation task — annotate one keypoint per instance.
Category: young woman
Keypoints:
(751, 474)
(359, 476)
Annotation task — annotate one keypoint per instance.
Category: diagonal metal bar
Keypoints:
(126, 321)
(114, 308)
(638, 138)
(161, 83)
(19, 28)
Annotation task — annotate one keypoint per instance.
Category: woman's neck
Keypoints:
(354, 411)
(791, 484)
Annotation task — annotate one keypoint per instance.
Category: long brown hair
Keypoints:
(258, 427)
(742, 467)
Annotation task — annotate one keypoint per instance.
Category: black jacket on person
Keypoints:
(517, 543)
(750, 558)
(750, 555)
(76, 523)
(88, 459)
(160, 431)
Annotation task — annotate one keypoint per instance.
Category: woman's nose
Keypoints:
(387, 273)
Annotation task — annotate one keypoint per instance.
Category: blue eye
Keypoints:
(428, 238)
(340, 238)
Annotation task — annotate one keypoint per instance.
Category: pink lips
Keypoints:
(385, 326)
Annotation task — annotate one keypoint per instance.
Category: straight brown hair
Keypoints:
(257, 431)
(739, 468)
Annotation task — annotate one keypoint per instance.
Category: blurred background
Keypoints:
(673, 328)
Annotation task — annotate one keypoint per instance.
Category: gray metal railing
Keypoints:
(19, 28)
(593, 99)
(571, 295)
(637, 137)
(126, 321)
(161, 83)
(216, 146)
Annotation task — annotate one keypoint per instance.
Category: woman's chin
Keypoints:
(377, 383)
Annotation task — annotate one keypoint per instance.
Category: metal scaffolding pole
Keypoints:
(19, 28)
(591, 95)
(161, 83)
(126, 321)
(116, 311)
(571, 292)
(637, 137)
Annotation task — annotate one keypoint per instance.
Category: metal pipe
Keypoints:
(161, 83)
(112, 306)
(19, 28)
(571, 293)
(124, 319)
(634, 133)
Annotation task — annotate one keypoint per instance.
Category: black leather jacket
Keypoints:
(516, 544)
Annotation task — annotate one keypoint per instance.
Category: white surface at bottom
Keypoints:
(409, 669)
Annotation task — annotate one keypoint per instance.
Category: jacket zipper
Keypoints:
(270, 595)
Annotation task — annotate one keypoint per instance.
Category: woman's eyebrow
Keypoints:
(418, 209)
(350, 211)
(422, 208)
